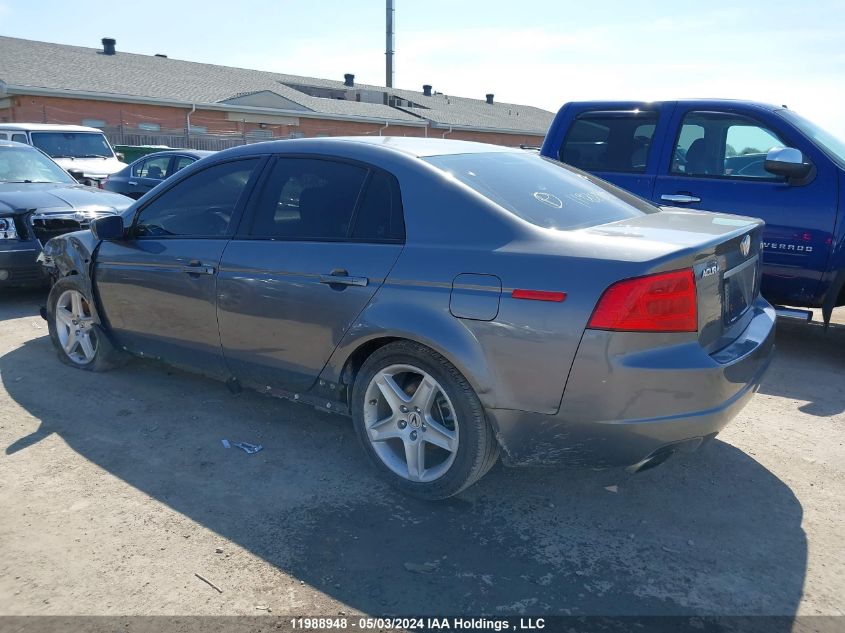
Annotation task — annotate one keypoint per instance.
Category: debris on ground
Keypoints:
(613, 488)
(244, 446)
(263, 607)
(209, 583)
(247, 447)
(219, 550)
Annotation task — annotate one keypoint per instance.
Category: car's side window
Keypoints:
(138, 169)
(202, 205)
(308, 199)
(155, 168)
(617, 141)
(723, 145)
(4, 136)
(379, 217)
(19, 138)
(181, 162)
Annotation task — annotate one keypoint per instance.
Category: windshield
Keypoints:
(542, 191)
(829, 144)
(24, 164)
(72, 144)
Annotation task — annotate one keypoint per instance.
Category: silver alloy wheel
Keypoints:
(74, 324)
(411, 423)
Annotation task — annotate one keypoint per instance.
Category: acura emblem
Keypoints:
(414, 420)
(745, 245)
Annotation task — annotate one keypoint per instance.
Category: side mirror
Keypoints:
(788, 162)
(78, 174)
(109, 227)
(120, 156)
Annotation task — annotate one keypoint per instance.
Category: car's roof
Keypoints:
(412, 146)
(48, 127)
(16, 144)
(198, 153)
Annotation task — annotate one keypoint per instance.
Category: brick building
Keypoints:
(151, 99)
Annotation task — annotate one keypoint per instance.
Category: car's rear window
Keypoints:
(542, 191)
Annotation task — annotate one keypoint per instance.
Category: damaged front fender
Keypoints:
(72, 254)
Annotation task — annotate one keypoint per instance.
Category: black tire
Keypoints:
(106, 356)
(477, 450)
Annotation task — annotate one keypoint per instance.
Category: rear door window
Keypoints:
(155, 168)
(19, 138)
(379, 217)
(180, 162)
(613, 141)
(308, 199)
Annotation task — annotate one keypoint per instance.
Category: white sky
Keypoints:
(536, 52)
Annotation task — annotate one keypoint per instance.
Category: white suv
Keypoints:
(83, 151)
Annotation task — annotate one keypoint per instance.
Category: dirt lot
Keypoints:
(115, 491)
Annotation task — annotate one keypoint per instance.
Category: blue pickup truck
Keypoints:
(732, 156)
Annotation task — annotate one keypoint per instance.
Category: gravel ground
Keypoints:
(116, 492)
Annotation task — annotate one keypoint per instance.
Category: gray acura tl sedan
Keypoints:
(458, 300)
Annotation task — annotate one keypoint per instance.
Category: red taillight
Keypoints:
(664, 302)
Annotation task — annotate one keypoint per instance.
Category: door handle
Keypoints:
(133, 182)
(196, 268)
(679, 197)
(343, 280)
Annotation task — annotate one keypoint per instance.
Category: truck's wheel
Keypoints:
(79, 341)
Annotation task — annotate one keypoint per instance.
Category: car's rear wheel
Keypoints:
(421, 422)
(78, 338)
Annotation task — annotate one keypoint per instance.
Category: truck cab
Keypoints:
(736, 157)
(84, 152)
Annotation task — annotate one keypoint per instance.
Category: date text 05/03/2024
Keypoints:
(411, 624)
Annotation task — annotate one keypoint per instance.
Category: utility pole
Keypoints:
(390, 49)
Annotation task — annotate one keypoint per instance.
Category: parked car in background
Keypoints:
(148, 171)
(457, 299)
(733, 156)
(40, 200)
(84, 152)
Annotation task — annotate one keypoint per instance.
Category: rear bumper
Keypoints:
(621, 407)
(18, 260)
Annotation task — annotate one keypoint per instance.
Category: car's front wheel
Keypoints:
(421, 422)
(74, 331)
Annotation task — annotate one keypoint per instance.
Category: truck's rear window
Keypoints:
(612, 141)
(542, 191)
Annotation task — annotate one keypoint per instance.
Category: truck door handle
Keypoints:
(133, 182)
(196, 268)
(342, 278)
(679, 197)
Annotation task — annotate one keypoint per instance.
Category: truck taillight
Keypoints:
(663, 302)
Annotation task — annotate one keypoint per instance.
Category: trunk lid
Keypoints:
(725, 254)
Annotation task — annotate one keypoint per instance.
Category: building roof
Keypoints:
(59, 69)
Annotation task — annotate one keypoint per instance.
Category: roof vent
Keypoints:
(161, 55)
(426, 90)
(349, 80)
(490, 98)
(108, 45)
